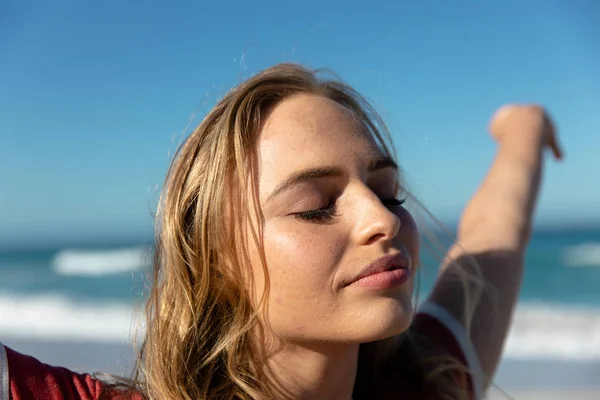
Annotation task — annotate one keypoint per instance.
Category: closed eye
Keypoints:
(393, 202)
(327, 214)
(323, 215)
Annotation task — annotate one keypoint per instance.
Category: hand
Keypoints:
(531, 120)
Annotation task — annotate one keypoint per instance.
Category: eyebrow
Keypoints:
(327, 172)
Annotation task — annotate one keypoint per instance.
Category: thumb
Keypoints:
(556, 148)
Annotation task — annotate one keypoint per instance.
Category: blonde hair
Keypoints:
(199, 316)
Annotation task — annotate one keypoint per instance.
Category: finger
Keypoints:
(556, 150)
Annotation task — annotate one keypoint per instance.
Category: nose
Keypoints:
(374, 221)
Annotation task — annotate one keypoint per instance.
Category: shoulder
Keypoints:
(24, 377)
(443, 330)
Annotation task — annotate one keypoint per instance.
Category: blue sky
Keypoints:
(96, 96)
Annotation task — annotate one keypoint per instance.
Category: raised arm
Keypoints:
(494, 231)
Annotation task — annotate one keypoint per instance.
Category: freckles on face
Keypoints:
(324, 220)
(301, 264)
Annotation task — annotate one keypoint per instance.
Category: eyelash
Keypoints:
(327, 214)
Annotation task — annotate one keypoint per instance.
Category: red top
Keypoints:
(29, 378)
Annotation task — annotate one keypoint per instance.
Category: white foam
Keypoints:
(583, 255)
(539, 331)
(545, 331)
(97, 263)
(56, 317)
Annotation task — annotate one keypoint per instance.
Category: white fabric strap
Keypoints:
(4, 383)
(466, 345)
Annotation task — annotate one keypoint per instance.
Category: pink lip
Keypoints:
(385, 272)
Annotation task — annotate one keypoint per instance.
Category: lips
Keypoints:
(387, 271)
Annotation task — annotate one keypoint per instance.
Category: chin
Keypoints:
(386, 318)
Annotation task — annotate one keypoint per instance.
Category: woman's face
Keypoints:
(328, 196)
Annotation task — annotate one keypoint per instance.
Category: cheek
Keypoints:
(301, 260)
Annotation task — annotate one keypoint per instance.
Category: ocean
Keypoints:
(94, 293)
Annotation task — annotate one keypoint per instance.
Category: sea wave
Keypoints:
(554, 331)
(48, 317)
(97, 263)
(539, 330)
(582, 255)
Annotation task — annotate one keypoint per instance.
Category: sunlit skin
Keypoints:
(322, 232)
(311, 257)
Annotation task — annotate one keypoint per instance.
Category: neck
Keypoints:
(302, 371)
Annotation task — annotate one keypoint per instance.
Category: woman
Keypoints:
(285, 261)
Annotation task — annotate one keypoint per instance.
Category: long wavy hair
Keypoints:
(199, 315)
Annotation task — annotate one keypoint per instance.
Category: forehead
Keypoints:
(308, 131)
